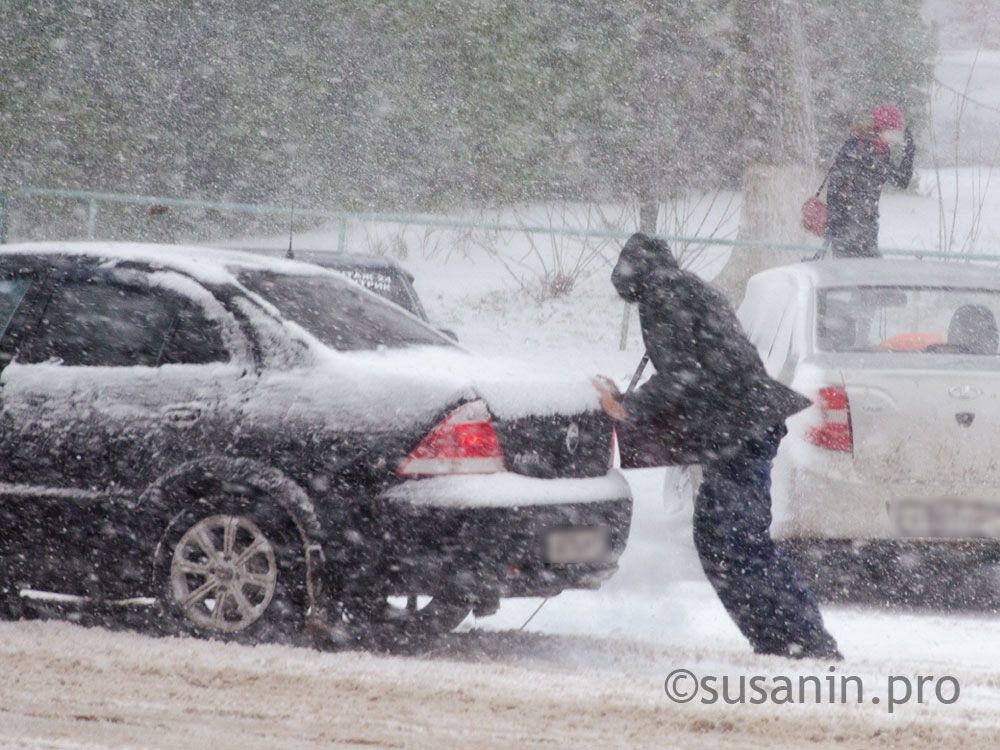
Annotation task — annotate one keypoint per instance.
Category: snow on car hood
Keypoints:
(394, 388)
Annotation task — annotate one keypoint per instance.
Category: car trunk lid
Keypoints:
(558, 445)
(925, 420)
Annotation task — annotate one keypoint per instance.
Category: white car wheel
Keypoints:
(223, 574)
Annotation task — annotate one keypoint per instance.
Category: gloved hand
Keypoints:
(604, 383)
(610, 398)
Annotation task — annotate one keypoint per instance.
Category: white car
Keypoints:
(900, 358)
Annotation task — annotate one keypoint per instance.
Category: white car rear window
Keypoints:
(933, 320)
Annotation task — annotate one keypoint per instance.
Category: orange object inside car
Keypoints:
(910, 342)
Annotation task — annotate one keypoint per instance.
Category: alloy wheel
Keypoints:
(223, 574)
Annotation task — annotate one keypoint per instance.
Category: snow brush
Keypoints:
(638, 373)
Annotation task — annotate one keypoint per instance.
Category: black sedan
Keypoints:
(380, 275)
(252, 444)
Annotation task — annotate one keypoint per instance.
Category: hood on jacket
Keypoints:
(643, 260)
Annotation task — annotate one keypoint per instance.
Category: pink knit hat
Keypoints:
(887, 117)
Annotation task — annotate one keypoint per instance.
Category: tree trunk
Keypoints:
(649, 212)
(771, 211)
(650, 155)
(781, 142)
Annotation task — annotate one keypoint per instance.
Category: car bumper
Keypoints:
(828, 499)
(489, 535)
(943, 574)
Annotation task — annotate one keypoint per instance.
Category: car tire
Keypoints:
(12, 605)
(234, 571)
(830, 569)
(844, 571)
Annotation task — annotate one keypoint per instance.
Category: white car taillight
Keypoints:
(834, 432)
(464, 443)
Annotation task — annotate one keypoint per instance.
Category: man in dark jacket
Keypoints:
(712, 401)
(854, 186)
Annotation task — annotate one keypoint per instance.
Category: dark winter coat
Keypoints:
(710, 392)
(854, 188)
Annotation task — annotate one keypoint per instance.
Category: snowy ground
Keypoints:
(74, 688)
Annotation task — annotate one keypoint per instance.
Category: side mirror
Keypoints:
(449, 333)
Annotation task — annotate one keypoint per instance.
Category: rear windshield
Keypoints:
(383, 284)
(383, 281)
(934, 320)
(339, 314)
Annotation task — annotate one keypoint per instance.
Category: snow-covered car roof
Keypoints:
(884, 272)
(335, 260)
(370, 382)
(208, 265)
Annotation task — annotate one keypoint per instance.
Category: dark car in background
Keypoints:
(251, 443)
(383, 276)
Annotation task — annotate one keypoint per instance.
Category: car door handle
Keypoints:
(182, 415)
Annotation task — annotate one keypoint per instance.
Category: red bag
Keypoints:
(814, 215)
(814, 210)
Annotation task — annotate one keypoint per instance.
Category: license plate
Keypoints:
(579, 545)
(946, 518)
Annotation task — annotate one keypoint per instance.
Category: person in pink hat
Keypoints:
(854, 186)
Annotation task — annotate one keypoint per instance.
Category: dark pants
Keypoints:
(756, 581)
(858, 240)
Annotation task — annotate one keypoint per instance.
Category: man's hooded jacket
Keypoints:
(710, 392)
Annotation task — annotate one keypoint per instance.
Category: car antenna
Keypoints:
(291, 224)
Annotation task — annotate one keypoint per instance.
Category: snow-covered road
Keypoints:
(70, 687)
(588, 672)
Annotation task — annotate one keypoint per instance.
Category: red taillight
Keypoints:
(834, 432)
(464, 443)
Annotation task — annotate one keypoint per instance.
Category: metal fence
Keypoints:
(93, 201)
